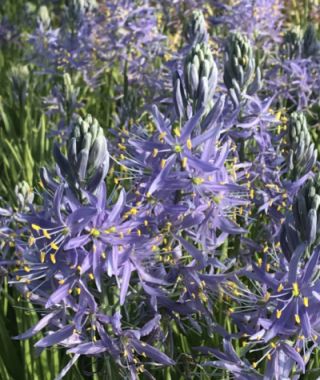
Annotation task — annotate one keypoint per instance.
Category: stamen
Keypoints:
(295, 289)
(53, 258)
(42, 257)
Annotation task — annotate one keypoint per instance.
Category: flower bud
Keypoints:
(87, 160)
(240, 71)
(196, 29)
(201, 76)
(302, 152)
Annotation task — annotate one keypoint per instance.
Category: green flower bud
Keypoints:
(87, 161)
(302, 152)
(291, 46)
(44, 16)
(201, 76)
(19, 78)
(240, 71)
(310, 43)
(24, 194)
(196, 30)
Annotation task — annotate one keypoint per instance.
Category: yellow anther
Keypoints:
(103, 255)
(278, 314)
(54, 246)
(251, 194)
(61, 282)
(254, 365)
(273, 345)
(121, 146)
(203, 297)
(297, 319)
(177, 132)
(35, 227)
(31, 241)
(197, 180)
(26, 268)
(79, 268)
(295, 289)
(162, 135)
(133, 211)
(110, 230)
(189, 144)
(267, 297)
(259, 261)
(139, 232)
(184, 162)
(42, 257)
(280, 288)
(94, 232)
(78, 290)
(268, 356)
(121, 235)
(163, 163)
(146, 223)
(53, 258)
(279, 129)
(91, 276)
(46, 234)
(306, 301)
(155, 152)
(265, 249)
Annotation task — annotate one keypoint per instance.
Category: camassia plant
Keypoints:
(181, 242)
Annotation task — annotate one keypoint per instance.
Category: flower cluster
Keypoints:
(186, 234)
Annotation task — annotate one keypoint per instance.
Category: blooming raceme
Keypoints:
(157, 239)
